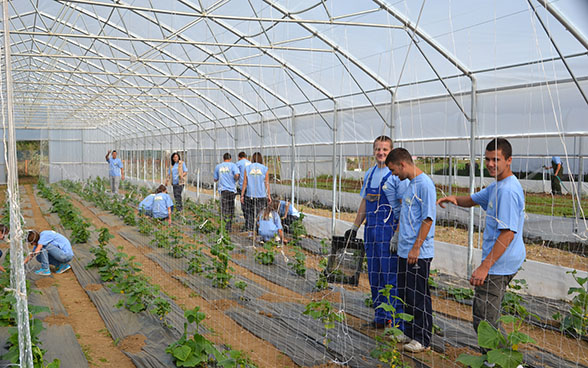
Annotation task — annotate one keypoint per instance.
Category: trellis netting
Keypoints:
(310, 85)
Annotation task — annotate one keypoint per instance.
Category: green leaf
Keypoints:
(405, 316)
(471, 360)
(517, 337)
(488, 336)
(182, 352)
(505, 358)
(508, 319)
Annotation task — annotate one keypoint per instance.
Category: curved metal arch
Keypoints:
(425, 36)
(169, 29)
(122, 50)
(337, 48)
(269, 53)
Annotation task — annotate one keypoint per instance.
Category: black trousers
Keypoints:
(413, 288)
(253, 206)
(227, 208)
(178, 196)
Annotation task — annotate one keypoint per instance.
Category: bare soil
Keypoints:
(82, 314)
(132, 344)
(58, 320)
(226, 331)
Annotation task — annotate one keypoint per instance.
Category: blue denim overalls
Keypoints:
(382, 265)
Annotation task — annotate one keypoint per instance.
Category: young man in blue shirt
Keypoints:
(379, 208)
(503, 250)
(557, 175)
(116, 172)
(242, 164)
(415, 248)
(226, 174)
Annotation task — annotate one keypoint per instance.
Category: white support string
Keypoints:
(17, 274)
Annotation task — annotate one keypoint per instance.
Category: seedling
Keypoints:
(324, 312)
(241, 285)
(267, 256)
(386, 351)
(299, 262)
(503, 351)
(576, 321)
(322, 283)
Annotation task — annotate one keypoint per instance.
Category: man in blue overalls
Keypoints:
(380, 208)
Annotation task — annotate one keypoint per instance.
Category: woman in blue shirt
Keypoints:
(50, 248)
(161, 206)
(256, 189)
(270, 224)
(177, 173)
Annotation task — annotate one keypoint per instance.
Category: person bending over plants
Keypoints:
(161, 207)
(270, 224)
(146, 205)
(51, 248)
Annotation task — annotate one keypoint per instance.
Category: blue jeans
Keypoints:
(50, 254)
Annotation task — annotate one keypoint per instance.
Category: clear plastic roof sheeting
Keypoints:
(171, 66)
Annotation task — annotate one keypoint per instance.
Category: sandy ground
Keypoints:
(82, 315)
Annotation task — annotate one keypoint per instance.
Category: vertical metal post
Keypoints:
(293, 156)
(334, 167)
(17, 275)
(145, 156)
(215, 155)
(83, 159)
(391, 117)
(152, 157)
(314, 180)
(162, 180)
(579, 183)
(450, 172)
(473, 123)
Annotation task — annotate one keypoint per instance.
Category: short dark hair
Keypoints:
(33, 237)
(242, 154)
(113, 151)
(160, 189)
(257, 157)
(382, 138)
(399, 155)
(227, 156)
(502, 144)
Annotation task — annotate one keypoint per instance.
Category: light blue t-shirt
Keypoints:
(269, 228)
(242, 164)
(114, 166)
(51, 237)
(161, 202)
(225, 173)
(393, 188)
(418, 204)
(174, 172)
(146, 204)
(504, 203)
(291, 210)
(256, 180)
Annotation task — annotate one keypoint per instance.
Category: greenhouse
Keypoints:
(277, 183)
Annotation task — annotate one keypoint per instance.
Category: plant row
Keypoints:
(70, 216)
(8, 318)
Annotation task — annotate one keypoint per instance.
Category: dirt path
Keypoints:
(83, 316)
(226, 331)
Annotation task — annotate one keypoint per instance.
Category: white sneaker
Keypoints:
(415, 347)
(486, 364)
(403, 339)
